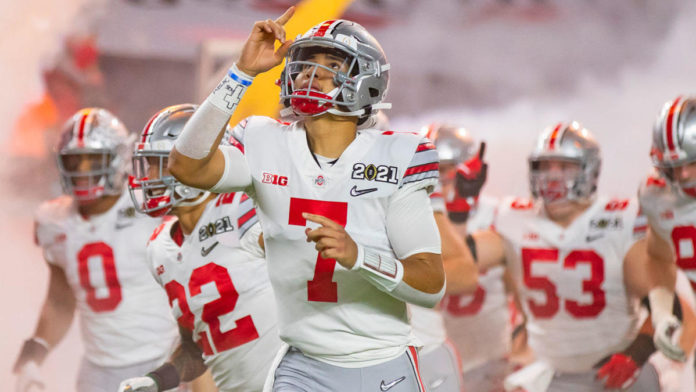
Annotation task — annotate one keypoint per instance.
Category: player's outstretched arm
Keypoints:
(196, 159)
(54, 321)
(185, 364)
(461, 273)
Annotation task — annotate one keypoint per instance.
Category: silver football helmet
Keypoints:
(570, 143)
(359, 90)
(93, 154)
(454, 144)
(153, 190)
(674, 138)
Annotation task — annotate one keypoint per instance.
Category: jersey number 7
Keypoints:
(321, 288)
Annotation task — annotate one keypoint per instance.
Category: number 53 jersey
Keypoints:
(123, 313)
(571, 280)
(328, 312)
(218, 288)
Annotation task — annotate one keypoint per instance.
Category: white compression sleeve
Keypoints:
(237, 175)
(200, 132)
(387, 274)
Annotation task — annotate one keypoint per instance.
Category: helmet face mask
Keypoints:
(564, 165)
(92, 155)
(556, 180)
(153, 190)
(674, 142)
(359, 73)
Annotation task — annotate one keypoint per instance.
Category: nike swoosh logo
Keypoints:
(120, 226)
(354, 191)
(204, 251)
(385, 387)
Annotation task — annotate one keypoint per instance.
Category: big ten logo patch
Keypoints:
(379, 173)
(274, 179)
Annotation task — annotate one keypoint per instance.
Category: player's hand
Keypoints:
(666, 338)
(331, 240)
(471, 175)
(259, 53)
(138, 384)
(29, 378)
(620, 372)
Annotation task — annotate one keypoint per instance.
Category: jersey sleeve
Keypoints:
(423, 169)
(649, 196)
(154, 244)
(437, 199)
(250, 241)
(49, 234)
(411, 226)
(246, 215)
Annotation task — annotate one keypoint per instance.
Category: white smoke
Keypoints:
(619, 111)
(31, 36)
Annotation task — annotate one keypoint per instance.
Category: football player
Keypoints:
(211, 239)
(667, 196)
(581, 269)
(348, 229)
(477, 323)
(94, 244)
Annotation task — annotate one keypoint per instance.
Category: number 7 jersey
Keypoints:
(571, 280)
(328, 312)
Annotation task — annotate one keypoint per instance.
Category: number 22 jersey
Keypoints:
(328, 312)
(218, 289)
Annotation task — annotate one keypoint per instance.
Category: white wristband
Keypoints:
(230, 90)
(383, 271)
(661, 304)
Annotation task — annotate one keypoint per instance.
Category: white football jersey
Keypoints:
(218, 288)
(571, 280)
(672, 216)
(124, 317)
(328, 312)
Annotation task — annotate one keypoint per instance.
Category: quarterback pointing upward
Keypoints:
(361, 197)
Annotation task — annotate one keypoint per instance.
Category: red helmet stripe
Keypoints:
(554, 136)
(670, 129)
(323, 28)
(146, 131)
(81, 130)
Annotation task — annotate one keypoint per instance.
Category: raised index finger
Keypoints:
(322, 220)
(283, 19)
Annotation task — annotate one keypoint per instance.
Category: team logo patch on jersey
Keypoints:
(667, 214)
(274, 179)
(222, 225)
(379, 173)
(320, 180)
(531, 236)
(160, 269)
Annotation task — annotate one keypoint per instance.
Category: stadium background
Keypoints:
(503, 69)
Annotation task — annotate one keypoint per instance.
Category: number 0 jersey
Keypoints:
(328, 312)
(218, 288)
(123, 313)
(571, 280)
(672, 215)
